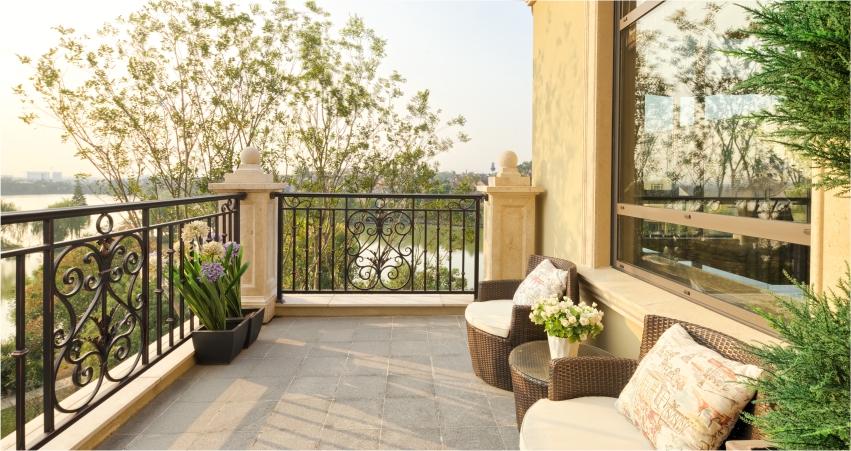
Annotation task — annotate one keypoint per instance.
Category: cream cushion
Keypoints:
(684, 395)
(580, 423)
(544, 281)
(493, 317)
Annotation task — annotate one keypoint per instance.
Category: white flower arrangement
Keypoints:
(213, 250)
(564, 319)
(193, 230)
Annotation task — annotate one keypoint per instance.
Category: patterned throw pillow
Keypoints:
(545, 280)
(684, 395)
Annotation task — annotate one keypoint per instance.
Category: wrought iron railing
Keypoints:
(94, 299)
(378, 243)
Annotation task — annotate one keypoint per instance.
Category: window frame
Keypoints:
(792, 232)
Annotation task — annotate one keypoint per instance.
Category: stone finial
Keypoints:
(508, 165)
(250, 155)
(249, 171)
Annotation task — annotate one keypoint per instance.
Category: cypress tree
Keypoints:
(804, 57)
(806, 379)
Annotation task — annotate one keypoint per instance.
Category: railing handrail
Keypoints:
(379, 195)
(17, 217)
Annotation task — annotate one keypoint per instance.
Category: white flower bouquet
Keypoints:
(564, 319)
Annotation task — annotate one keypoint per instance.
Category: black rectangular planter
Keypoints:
(220, 347)
(255, 321)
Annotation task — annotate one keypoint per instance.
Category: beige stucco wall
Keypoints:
(571, 133)
(571, 145)
(831, 239)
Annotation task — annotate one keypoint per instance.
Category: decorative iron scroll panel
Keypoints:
(102, 309)
(378, 243)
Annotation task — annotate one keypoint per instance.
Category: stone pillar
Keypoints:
(509, 217)
(257, 230)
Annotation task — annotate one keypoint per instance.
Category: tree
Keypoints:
(804, 59)
(177, 88)
(78, 198)
(171, 92)
(345, 133)
(525, 168)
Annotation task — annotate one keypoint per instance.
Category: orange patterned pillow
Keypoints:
(684, 395)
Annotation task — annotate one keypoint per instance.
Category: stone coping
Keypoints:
(376, 300)
(363, 304)
(633, 298)
(87, 432)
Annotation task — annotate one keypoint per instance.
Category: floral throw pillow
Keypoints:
(684, 395)
(544, 281)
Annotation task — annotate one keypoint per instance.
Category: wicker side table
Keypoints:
(530, 372)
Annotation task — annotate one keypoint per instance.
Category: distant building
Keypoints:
(35, 176)
(57, 176)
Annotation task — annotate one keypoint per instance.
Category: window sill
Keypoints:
(633, 298)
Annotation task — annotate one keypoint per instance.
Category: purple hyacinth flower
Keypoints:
(234, 248)
(212, 271)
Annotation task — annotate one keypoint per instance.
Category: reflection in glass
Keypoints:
(731, 267)
(685, 139)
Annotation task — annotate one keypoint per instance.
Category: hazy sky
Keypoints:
(474, 56)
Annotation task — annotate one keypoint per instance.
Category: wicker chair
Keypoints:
(489, 352)
(577, 377)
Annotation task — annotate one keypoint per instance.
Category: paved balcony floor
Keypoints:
(333, 383)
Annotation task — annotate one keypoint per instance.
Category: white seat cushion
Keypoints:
(580, 423)
(493, 317)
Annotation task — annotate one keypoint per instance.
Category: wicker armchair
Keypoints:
(577, 377)
(489, 352)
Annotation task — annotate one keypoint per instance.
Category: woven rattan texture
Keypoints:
(488, 352)
(600, 376)
(530, 373)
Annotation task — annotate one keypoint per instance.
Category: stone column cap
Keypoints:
(223, 188)
(511, 189)
(248, 177)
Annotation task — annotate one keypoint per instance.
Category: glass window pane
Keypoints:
(686, 142)
(734, 268)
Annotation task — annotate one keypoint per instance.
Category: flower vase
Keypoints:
(560, 347)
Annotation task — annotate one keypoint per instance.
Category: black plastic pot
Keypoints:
(220, 347)
(255, 322)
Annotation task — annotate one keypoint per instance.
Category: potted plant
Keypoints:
(207, 289)
(233, 271)
(567, 324)
(805, 383)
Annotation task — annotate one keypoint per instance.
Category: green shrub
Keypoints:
(806, 378)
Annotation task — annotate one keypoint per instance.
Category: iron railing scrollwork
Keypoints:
(378, 243)
(107, 308)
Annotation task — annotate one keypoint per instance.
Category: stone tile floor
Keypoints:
(333, 383)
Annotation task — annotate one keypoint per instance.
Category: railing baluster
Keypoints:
(346, 245)
(20, 352)
(170, 319)
(280, 256)
(159, 290)
(47, 327)
(476, 269)
(463, 249)
(146, 275)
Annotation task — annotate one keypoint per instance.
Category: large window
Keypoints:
(705, 204)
